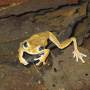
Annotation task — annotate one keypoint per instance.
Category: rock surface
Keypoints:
(31, 5)
(61, 71)
(24, 25)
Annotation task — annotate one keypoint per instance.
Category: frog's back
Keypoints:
(39, 39)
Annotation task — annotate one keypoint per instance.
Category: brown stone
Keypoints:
(36, 4)
(33, 2)
(8, 2)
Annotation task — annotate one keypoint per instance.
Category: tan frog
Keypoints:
(34, 45)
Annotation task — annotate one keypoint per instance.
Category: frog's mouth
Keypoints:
(31, 58)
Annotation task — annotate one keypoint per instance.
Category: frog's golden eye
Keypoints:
(25, 44)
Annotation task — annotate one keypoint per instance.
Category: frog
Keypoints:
(36, 45)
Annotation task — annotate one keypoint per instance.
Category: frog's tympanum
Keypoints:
(36, 46)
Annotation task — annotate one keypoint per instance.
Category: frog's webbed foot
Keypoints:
(79, 55)
(43, 57)
(41, 61)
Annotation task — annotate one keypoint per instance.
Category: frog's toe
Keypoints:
(79, 55)
(39, 63)
(44, 63)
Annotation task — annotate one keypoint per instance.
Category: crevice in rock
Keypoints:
(40, 11)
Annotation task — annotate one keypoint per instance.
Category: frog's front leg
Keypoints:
(43, 57)
(20, 56)
(65, 44)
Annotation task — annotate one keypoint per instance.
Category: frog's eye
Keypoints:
(41, 48)
(25, 44)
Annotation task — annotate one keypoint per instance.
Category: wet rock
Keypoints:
(2, 75)
(14, 30)
(62, 73)
(68, 75)
(18, 79)
(87, 44)
(23, 26)
(32, 5)
(6, 4)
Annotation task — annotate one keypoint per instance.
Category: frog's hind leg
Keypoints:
(65, 44)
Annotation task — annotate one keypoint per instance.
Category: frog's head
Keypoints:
(31, 48)
(28, 52)
(25, 45)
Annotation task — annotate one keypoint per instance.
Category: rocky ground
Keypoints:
(62, 72)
